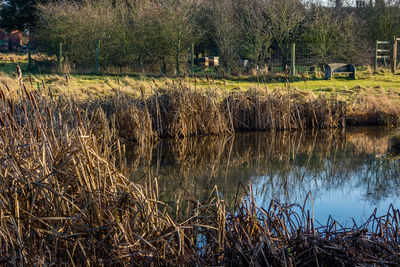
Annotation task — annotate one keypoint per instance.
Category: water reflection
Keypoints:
(348, 172)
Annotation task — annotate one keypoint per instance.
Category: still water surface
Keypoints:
(348, 172)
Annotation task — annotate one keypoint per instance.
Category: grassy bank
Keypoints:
(63, 200)
(176, 108)
(44, 71)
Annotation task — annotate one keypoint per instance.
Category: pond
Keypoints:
(349, 172)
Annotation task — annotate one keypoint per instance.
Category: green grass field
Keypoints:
(97, 85)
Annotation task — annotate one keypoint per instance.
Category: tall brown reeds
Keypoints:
(279, 110)
(181, 111)
(371, 109)
(65, 199)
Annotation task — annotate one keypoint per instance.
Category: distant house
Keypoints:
(11, 41)
(15, 38)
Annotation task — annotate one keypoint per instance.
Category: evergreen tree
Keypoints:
(18, 14)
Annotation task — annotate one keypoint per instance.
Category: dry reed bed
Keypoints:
(183, 112)
(178, 110)
(64, 201)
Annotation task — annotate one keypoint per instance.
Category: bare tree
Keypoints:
(165, 28)
(79, 25)
(255, 36)
(162, 30)
(284, 18)
(383, 20)
(226, 30)
(321, 32)
(182, 14)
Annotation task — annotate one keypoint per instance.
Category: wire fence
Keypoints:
(307, 58)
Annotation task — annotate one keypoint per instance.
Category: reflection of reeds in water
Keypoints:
(369, 144)
(197, 164)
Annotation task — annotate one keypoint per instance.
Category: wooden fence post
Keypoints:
(398, 64)
(376, 57)
(59, 57)
(97, 67)
(293, 60)
(29, 55)
(177, 58)
(192, 60)
(394, 55)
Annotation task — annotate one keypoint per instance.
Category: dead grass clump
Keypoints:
(183, 112)
(135, 124)
(369, 109)
(8, 57)
(62, 200)
(279, 110)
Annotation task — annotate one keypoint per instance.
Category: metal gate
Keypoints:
(396, 54)
(386, 52)
(382, 53)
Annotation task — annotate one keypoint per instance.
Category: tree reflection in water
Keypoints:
(349, 172)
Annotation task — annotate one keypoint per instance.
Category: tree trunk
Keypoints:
(178, 47)
(163, 66)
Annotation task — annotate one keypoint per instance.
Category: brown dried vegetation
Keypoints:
(66, 199)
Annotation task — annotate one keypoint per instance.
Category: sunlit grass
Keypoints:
(102, 85)
(345, 88)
